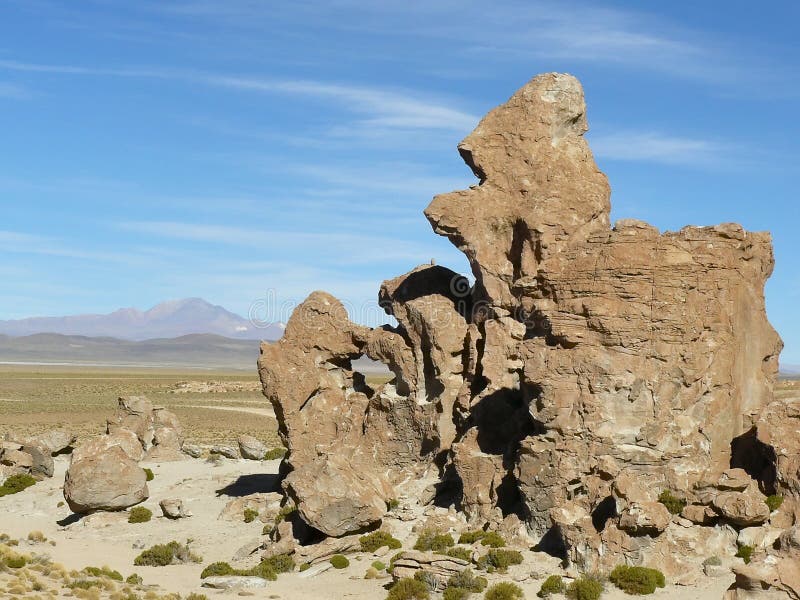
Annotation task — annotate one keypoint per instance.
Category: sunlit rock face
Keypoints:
(587, 370)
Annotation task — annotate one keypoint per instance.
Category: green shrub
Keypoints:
(455, 593)
(431, 539)
(585, 588)
(15, 562)
(378, 539)
(280, 563)
(140, 514)
(275, 454)
(339, 561)
(392, 503)
(674, 504)
(16, 483)
(250, 515)
(467, 580)
(408, 589)
(552, 585)
(149, 474)
(103, 572)
(461, 552)
(637, 580)
(162, 555)
(134, 579)
(774, 502)
(504, 591)
(305, 567)
(196, 596)
(83, 584)
(217, 569)
(284, 512)
(263, 569)
(470, 537)
(714, 561)
(745, 552)
(493, 540)
(500, 559)
(429, 579)
(378, 566)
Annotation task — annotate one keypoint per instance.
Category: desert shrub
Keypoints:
(372, 573)
(339, 561)
(267, 529)
(714, 561)
(16, 483)
(250, 515)
(467, 580)
(461, 552)
(15, 562)
(196, 596)
(637, 580)
(83, 584)
(263, 569)
(552, 585)
(500, 559)
(103, 572)
(280, 563)
(408, 589)
(493, 540)
(305, 567)
(162, 555)
(470, 537)
(275, 454)
(217, 569)
(674, 504)
(745, 552)
(378, 539)
(284, 512)
(392, 503)
(585, 588)
(774, 502)
(134, 579)
(429, 579)
(149, 474)
(378, 566)
(504, 591)
(455, 593)
(140, 514)
(37, 537)
(431, 539)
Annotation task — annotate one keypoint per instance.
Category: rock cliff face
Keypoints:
(589, 368)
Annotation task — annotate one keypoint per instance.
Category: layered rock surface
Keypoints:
(587, 370)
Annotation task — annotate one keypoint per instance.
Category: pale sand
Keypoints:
(108, 540)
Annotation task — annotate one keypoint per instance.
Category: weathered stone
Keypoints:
(125, 439)
(173, 508)
(228, 582)
(438, 566)
(134, 413)
(251, 448)
(17, 459)
(107, 480)
(192, 450)
(645, 518)
(744, 508)
(57, 441)
(226, 451)
(42, 460)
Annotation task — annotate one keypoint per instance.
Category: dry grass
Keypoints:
(35, 399)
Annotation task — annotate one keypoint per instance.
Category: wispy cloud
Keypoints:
(660, 148)
(13, 91)
(377, 107)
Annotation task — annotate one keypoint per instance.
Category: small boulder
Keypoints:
(42, 459)
(109, 480)
(173, 508)
(251, 448)
(644, 518)
(745, 508)
(226, 451)
(17, 459)
(125, 439)
(228, 582)
(192, 450)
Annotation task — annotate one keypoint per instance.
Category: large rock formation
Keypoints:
(588, 369)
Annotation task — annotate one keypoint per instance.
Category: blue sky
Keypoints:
(243, 150)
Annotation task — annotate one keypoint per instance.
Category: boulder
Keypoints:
(17, 459)
(745, 508)
(251, 448)
(107, 480)
(173, 508)
(41, 459)
(125, 439)
(645, 518)
(439, 567)
(226, 451)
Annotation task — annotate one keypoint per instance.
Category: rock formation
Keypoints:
(588, 369)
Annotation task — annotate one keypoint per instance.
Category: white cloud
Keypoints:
(659, 148)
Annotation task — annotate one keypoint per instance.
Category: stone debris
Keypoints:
(589, 369)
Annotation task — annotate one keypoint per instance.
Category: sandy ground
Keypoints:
(109, 540)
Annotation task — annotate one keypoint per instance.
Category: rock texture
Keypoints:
(588, 369)
(109, 480)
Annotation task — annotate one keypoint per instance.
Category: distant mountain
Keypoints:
(170, 319)
(196, 351)
(790, 370)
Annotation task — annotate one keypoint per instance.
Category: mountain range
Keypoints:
(174, 318)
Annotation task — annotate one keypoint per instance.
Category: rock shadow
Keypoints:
(257, 483)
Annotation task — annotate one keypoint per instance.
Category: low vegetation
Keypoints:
(140, 514)
(552, 585)
(171, 553)
(745, 552)
(587, 587)
(432, 540)
(284, 512)
(250, 515)
(461, 552)
(504, 591)
(339, 561)
(499, 559)
(16, 484)
(269, 568)
(637, 580)
(774, 502)
(408, 589)
(377, 539)
(103, 572)
(275, 454)
(468, 582)
(674, 504)
(149, 474)
(486, 538)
